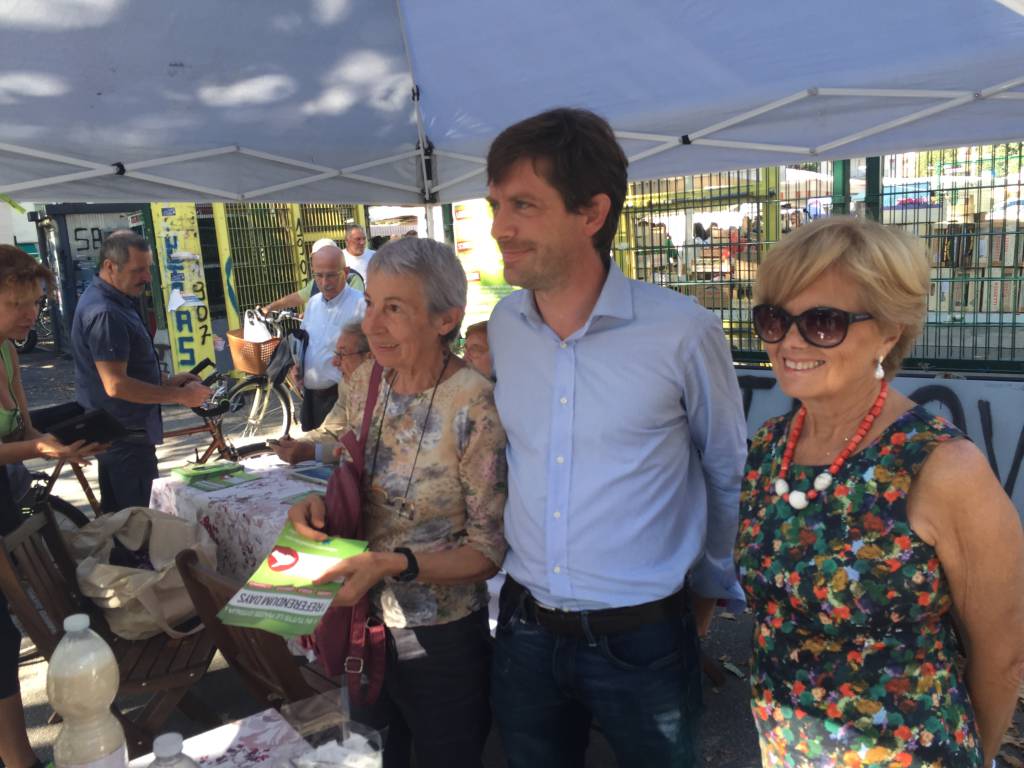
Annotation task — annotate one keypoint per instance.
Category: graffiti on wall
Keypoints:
(183, 282)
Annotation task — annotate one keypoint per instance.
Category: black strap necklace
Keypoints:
(405, 507)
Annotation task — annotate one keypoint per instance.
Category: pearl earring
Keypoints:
(879, 370)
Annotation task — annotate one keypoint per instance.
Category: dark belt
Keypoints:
(605, 621)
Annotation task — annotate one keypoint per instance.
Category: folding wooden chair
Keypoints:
(37, 575)
(264, 662)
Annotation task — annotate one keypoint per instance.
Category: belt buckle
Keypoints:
(351, 668)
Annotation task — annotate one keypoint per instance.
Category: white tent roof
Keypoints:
(121, 100)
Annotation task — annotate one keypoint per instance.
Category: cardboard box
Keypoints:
(710, 295)
(940, 296)
(1002, 290)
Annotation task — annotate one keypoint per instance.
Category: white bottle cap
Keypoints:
(167, 744)
(76, 622)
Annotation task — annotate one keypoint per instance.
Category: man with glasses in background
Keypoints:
(326, 313)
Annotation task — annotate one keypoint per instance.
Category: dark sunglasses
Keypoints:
(819, 326)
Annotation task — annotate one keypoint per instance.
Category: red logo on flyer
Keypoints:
(282, 558)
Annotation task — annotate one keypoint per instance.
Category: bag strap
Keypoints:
(357, 449)
(147, 599)
(366, 656)
(371, 402)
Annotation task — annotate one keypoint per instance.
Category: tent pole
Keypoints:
(425, 163)
(873, 189)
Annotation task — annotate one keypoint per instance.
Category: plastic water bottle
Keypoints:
(167, 748)
(81, 683)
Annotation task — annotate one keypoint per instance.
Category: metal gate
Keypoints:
(704, 236)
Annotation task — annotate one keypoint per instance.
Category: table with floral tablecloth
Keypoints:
(244, 520)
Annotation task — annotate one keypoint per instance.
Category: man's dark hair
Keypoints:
(575, 151)
(115, 247)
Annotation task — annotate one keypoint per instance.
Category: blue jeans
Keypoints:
(126, 474)
(641, 687)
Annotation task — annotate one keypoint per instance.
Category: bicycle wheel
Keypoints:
(68, 516)
(27, 344)
(44, 323)
(256, 411)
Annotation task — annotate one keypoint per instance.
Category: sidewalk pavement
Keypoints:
(727, 731)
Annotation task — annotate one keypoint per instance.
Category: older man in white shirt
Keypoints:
(326, 314)
(357, 255)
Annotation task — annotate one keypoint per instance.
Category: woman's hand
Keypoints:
(307, 516)
(360, 573)
(78, 452)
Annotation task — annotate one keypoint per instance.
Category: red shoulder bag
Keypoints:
(351, 640)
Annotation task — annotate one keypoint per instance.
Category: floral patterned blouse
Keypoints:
(457, 494)
(854, 652)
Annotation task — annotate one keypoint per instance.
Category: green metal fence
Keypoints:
(325, 220)
(263, 238)
(705, 235)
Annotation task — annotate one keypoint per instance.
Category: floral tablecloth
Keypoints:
(244, 520)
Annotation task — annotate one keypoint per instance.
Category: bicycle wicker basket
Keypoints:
(250, 356)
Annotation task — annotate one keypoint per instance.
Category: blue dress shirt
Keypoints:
(626, 445)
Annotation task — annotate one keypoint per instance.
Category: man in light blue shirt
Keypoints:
(626, 445)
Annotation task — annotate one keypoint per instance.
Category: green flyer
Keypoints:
(281, 597)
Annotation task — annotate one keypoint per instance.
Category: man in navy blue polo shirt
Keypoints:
(116, 368)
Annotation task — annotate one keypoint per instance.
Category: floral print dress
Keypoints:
(853, 660)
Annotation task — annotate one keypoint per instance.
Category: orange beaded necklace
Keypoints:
(800, 499)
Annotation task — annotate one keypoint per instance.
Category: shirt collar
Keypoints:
(337, 299)
(615, 300)
(113, 293)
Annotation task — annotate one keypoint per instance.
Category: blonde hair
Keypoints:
(888, 268)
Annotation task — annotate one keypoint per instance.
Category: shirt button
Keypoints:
(558, 569)
(560, 459)
(563, 400)
(557, 514)
(563, 345)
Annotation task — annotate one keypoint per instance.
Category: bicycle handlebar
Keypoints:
(202, 366)
(274, 316)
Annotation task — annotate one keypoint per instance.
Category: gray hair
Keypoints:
(115, 247)
(355, 329)
(434, 264)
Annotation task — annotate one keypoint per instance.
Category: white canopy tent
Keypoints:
(396, 102)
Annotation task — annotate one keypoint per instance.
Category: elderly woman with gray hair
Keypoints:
(435, 487)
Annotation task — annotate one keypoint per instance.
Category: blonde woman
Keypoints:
(867, 525)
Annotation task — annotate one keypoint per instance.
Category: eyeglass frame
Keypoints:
(850, 317)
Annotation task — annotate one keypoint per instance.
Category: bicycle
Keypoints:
(268, 390)
(41, 331)
(258, 406)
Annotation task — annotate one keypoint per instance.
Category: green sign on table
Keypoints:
(281, 597)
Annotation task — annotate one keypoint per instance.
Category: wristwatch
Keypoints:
(412, 568)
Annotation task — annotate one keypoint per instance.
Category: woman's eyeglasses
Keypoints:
(819, 326)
